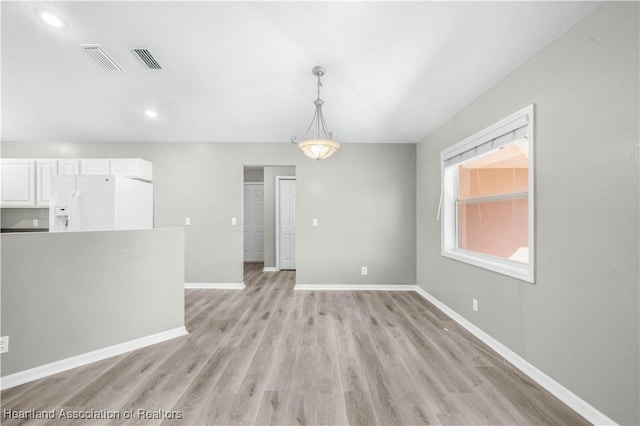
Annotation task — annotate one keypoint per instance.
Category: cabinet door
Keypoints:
(131, 167)
(44, 170)
(68, 167)
(94, 166)
(18, 183)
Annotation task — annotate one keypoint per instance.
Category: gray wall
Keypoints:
(364, 197)
(579, 322)
(65, 294)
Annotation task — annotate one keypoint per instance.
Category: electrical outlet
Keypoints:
(315, 222)
(187, 221)
(4, 344)
(475, 305)
(35, 223)
(364, 271)
(234, 221)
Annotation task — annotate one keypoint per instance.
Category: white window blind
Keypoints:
(512, 132)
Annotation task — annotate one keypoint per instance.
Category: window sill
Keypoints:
(510, 268)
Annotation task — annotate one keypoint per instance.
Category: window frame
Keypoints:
(449, 214)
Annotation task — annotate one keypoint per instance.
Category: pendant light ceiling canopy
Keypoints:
(317, 142)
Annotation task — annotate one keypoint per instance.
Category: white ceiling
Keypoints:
(241, 71)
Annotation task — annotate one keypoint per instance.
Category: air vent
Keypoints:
(102, 57)
(146, 57)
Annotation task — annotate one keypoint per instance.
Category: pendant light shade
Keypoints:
(317, 142)
(319, 149)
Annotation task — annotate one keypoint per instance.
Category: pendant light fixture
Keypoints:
(317, 142)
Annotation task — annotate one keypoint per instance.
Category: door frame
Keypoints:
(243, 213)
(277, 217)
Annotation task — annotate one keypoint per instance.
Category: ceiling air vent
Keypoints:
(146, 57)
(102, 57)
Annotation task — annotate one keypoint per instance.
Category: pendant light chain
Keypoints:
(320, 127)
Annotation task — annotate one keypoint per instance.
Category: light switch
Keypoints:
(187, 221)
(234, 221)
(315, 222)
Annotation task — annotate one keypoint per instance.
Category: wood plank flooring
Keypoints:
(271, 355)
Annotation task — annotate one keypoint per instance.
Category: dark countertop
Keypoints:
(3, 230)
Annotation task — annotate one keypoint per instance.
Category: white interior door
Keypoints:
(287, 223)
(254, 222)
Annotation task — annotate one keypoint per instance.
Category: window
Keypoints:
(487, 198)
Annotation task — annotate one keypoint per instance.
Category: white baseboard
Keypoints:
(56, 367)
(579, 405)
(382, 287)
(215, 286)
(270, 269)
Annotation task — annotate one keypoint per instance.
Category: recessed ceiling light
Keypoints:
(151, 113)
(52, 19)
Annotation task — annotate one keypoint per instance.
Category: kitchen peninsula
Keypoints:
(74, 297)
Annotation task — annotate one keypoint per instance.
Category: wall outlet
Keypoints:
(364, 271)
(35, 223)
(4, 344)
(234, 221)
(475, 305)
(187, 221)
(315, 222)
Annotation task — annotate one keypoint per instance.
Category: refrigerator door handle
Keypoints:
(73, 212)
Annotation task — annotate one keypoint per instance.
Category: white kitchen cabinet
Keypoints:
(68, 167)
(94, 166)
(18, 183)
(44, 170)
(132, 167)
(26, 182)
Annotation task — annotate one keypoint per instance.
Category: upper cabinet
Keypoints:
(132, 167)
(44, 170)
(69, 167)
(27, 182)
(94, 166)
(18, 183)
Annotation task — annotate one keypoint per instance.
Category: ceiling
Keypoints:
(241, 71)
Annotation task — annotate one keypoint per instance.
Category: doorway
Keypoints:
(261, 238)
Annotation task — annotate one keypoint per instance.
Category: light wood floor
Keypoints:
(269, 355)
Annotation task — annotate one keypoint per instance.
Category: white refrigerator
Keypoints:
(99, 203)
